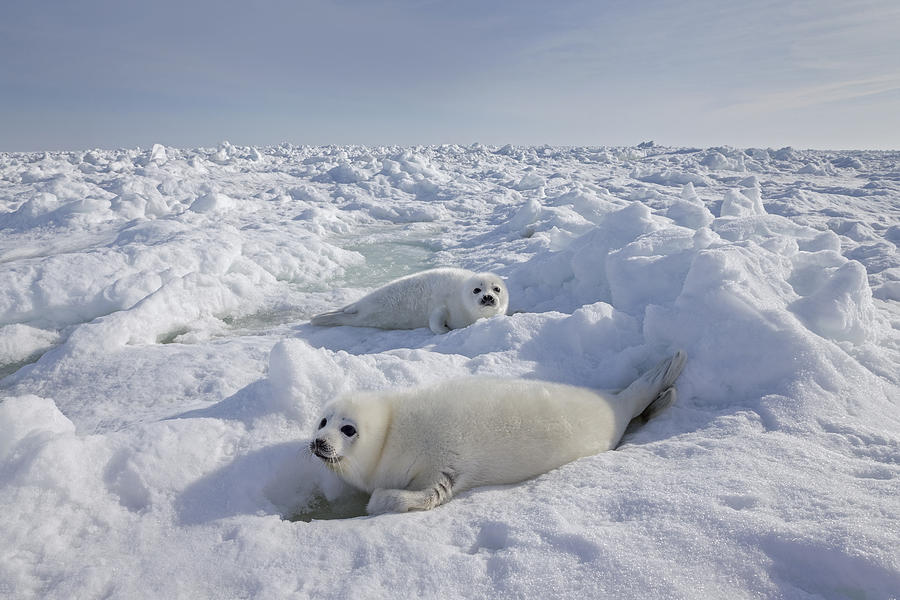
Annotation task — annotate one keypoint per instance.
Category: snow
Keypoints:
(160, 379)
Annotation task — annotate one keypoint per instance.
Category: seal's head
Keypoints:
(349, 435)
(485, 295)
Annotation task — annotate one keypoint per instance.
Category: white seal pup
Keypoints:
(441, 299)
(414, 449)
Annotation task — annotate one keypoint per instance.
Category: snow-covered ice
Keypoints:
(160, 377)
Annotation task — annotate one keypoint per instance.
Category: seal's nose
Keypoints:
(487, 299)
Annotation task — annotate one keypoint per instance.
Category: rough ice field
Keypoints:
(160, 378)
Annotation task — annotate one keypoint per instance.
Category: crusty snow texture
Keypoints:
(159, 377)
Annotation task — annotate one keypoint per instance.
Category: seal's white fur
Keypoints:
(442, 299)
(413, 449)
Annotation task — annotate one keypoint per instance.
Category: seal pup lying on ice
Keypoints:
(413, 449)
(441, 299)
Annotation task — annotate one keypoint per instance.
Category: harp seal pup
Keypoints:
(440, 299)
(413, 449)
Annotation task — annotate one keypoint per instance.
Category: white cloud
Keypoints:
(814, 95)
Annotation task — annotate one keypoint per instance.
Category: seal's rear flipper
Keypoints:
(651, 386)
(332, 318)
(662, 402)
(676, 366)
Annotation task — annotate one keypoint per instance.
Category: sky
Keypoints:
(112, 74)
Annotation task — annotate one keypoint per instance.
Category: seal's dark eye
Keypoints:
(322, 423)
(496, 290)
(476, 291)
(348, 430)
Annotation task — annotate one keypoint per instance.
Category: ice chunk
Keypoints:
(528, 213)
(530, 181)
(841, 308)
(689, 211)
(651, 269)
(213, 202)
(20, 342)
(26, 422)
(742, 203)
(158, 154)
(346, 173)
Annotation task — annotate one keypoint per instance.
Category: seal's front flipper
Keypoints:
(385, 501)
(437, 320)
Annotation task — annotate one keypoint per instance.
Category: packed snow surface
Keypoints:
(161, 381)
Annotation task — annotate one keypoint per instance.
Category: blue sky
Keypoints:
(819, 74)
